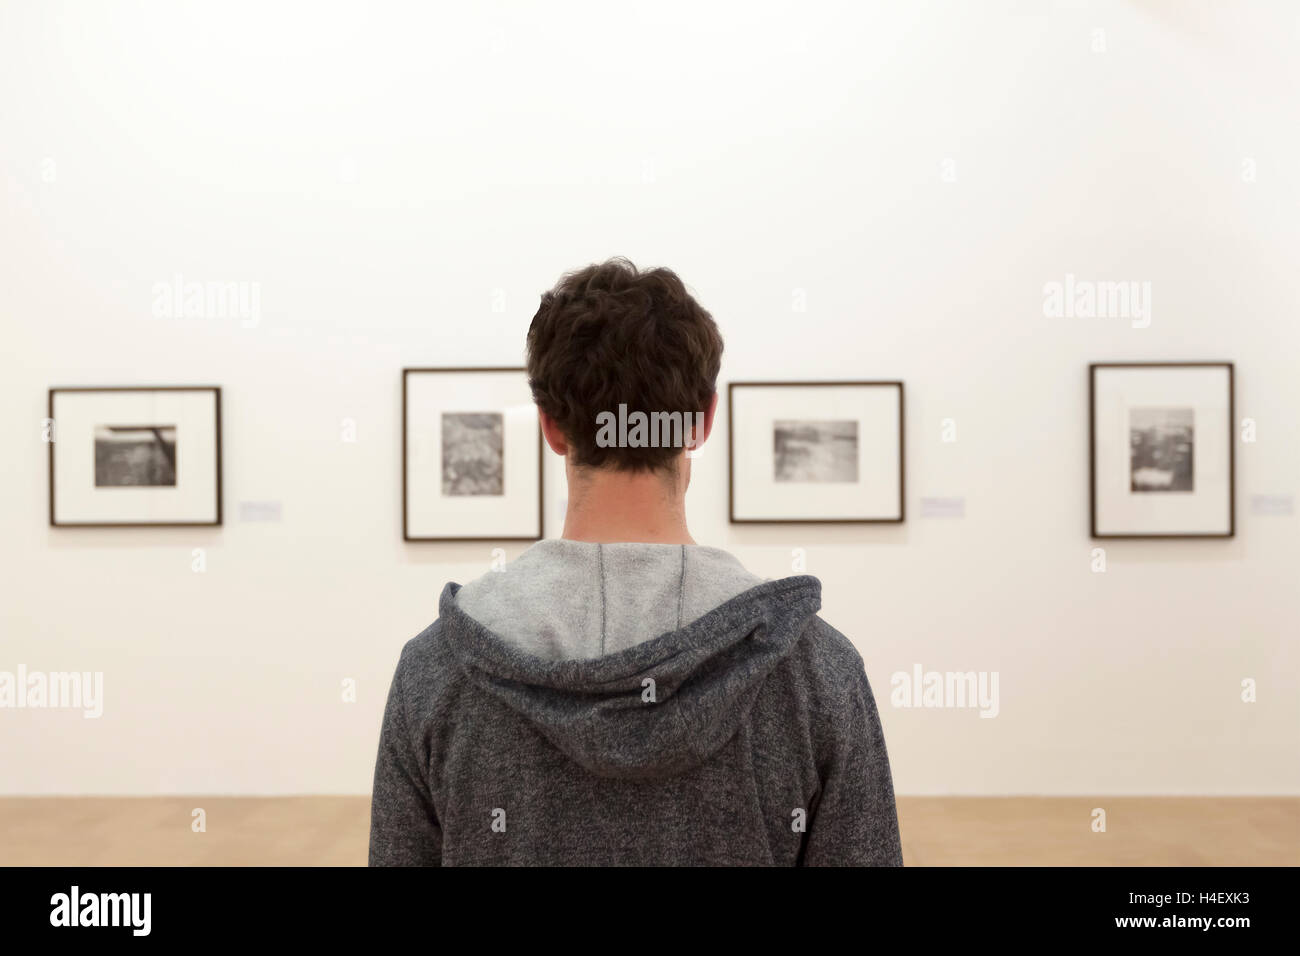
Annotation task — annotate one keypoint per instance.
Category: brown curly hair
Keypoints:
(608, 335)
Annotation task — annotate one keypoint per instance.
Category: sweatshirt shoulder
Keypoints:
(829, 664)
(426, 662)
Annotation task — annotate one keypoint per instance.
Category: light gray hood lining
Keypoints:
(575, 600)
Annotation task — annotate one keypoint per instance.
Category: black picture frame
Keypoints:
(1092, 453)
(541, 477)
(868, 383)
(216, 391)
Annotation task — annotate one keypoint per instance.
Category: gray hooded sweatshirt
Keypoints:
(627, 704)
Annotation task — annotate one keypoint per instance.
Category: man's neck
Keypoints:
(606, 507)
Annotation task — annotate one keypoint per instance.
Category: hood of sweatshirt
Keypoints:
(565, 599)
(657, 707)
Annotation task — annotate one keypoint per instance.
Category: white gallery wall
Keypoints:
(854, 191)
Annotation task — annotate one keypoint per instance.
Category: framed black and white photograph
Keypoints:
(1162, 454)
(817, 452)
(471, 455)
(135, 457)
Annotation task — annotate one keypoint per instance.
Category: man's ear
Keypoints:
(553, 434)
(702, 434)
